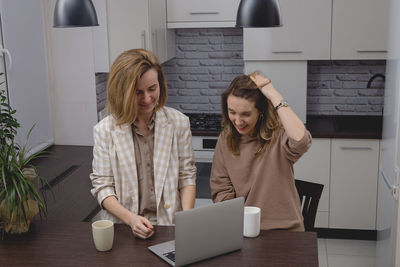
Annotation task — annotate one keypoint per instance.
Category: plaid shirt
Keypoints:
(114, 165)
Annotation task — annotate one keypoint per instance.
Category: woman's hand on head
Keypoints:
(259, 80)
(266, 87)
(141, 227)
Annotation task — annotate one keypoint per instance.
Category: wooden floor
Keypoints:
(67, 169)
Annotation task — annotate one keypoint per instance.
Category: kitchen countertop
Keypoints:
(321, 126)
(357, 127)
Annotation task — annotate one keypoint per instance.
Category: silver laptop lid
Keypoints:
(208, 231)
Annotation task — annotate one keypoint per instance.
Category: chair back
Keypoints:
(309, 194)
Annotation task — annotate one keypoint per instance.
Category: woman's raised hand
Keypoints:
(266, 87)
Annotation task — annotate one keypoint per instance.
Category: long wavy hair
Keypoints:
(268, 120)
(124, 75)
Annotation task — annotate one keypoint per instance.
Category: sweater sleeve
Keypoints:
(295, 149)
(220, 183)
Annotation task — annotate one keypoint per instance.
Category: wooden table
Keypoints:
(71, 244)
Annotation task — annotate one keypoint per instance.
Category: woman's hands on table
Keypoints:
(141, 227)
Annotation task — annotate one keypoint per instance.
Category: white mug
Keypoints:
(252, 219)
(103, 234)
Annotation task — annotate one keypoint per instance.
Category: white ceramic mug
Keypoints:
(103, 234)
(252, 219)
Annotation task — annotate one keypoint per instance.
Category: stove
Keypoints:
(205, 129)
(205, 122)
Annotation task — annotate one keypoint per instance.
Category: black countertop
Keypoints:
(356, 127)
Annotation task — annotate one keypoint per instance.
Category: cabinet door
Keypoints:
(305, 33)
(128, 26)
(159, 36)
(204, 13)
(359, 29)
(314, 166)
(354, 175)
(293, 89)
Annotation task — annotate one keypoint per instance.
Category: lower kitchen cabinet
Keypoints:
(353, 188)
(348, 169)
(314, 166)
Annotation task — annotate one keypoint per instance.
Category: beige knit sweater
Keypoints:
(265, 181)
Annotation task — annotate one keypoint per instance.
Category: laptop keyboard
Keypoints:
(170, 255)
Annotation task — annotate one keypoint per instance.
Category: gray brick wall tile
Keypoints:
(354, 84)
(208, 59)
(319, 92)
(336, 84)
(350, 95)
(222, 54)
(211, 62)
(345, 92)
(371, 92)
(188, 92)
(198, 100)
(186, 33)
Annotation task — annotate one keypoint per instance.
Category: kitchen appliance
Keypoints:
(205, 130)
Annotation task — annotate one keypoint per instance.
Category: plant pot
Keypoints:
(20, 236)
(16, 224)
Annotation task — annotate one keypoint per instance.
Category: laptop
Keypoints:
(204, 232)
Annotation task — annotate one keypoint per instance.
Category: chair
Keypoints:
(309, 194)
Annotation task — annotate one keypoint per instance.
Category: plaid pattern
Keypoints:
(114, 165)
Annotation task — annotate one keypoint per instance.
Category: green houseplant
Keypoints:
(20, 200)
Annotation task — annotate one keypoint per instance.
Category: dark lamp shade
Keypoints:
(74, 13)
(258, 13)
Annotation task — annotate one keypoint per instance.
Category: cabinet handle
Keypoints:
(154, 35)
(204, 13)
(144, 40)
(287, 52)
(371, 51)
(7, 53)
(355, 148)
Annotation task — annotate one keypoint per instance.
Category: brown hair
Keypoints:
(125, 73)
(242, 86)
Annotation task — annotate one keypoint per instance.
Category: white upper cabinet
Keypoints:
(359, 29)
(138, 24)
(201, 13)
(305, 34)
(162, 40)
(322, 29)
(128, 26)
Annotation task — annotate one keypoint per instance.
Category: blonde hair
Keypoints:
(268, 121)
(124, 74)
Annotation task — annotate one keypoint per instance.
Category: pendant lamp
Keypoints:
(74, 13)
(258, 13)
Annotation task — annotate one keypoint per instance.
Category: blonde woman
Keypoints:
(143, 166)
(261, 140)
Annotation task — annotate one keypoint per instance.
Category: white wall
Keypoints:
(72, 81)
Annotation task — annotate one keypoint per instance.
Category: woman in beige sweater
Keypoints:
(255, 153)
